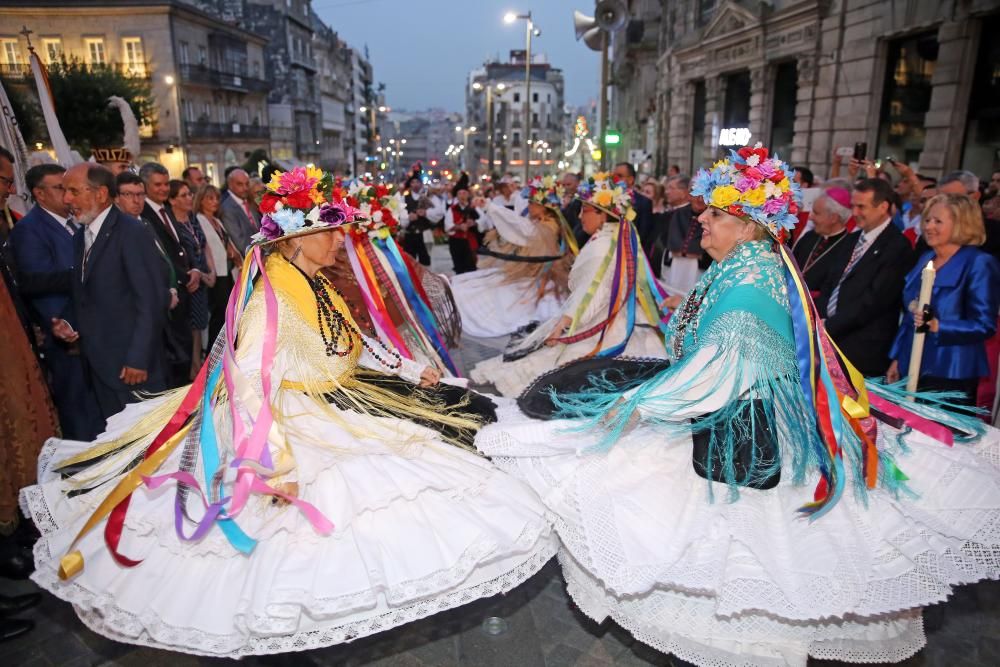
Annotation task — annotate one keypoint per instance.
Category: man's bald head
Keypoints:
(238, 182)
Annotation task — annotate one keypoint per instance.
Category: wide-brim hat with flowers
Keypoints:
(378, 207)
(300, 202)
(544, 191)
(608, 194)
(754, 186)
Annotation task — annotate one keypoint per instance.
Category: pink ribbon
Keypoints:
(914, 421)
(379, 318)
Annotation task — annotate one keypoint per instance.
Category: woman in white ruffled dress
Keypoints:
(613, 306)
(751, 505)
(522, 278)
(215, 522)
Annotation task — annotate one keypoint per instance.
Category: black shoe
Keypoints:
(16, 562)
(12, 628)
(15, 604)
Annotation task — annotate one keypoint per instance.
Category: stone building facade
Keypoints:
(913, 79)
(334, 62)
(548, 115)
(206, 75)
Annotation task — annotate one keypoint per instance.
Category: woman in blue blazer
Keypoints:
(964, 303)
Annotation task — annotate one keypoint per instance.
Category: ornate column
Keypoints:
(804, 110)
(951, 86)
(715, 91)
(761, 102)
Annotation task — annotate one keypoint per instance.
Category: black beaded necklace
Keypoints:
(333, 326)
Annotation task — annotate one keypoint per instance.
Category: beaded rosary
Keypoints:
(336, 324)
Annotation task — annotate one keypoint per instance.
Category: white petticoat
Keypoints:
(416, 532)
(751, 582)
(491, 307)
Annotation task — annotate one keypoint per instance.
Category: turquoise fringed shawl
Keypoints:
(739, 345)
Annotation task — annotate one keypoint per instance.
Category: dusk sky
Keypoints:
(422, 50)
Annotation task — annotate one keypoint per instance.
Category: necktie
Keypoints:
(253, 220)
(856, 254)
(71, 227)
(88, 243)
(166, 221)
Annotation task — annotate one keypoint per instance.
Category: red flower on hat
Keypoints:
(269, 203)
(299, 199)
(779, 174)
(381, 191)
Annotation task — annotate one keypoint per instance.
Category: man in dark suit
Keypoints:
(118, 294)
(817, 250)
(238, 212)
(644, 223)
(43, 246)
(862, 297)
(159, 218)
(416, 222)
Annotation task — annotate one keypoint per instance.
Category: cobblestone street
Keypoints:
(541, 627)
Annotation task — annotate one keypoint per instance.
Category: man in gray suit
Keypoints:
(239, 213)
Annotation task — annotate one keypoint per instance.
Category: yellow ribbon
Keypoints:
(592, 289)
(72, 563)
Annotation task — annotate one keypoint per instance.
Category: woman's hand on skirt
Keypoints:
(429, 377)
(287, 488)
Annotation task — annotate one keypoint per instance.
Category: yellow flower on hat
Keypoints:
(630, 214)
(603, 198)
(724, 196)
(784, 184)
(275, 181)
(755, 197)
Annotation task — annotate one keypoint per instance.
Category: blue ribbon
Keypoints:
(423, 313)
(210, 451)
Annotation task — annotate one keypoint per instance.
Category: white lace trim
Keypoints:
(711, 641)
(153, 633)
(100, 612)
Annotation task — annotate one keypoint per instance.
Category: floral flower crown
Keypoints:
(753, 186)
(296, 202)
(544, 191)
(375, 202)
(607, 193)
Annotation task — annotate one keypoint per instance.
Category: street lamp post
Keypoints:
(529, 29)
(490, 124)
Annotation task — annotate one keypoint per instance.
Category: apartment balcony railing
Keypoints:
(303, 61)
(207, 130)
(138, 70)
(228, 80)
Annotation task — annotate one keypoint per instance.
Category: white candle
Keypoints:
(917, 352)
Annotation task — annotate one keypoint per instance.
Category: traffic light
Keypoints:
(612, 138)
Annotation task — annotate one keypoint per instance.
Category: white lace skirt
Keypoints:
(751, 582)
(491, 307)
(418, 530)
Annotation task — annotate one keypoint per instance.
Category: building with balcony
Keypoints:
(916, 82)
(206, 74)
(334, 62)
(501, 87)
(292, 69)
(363, 113)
